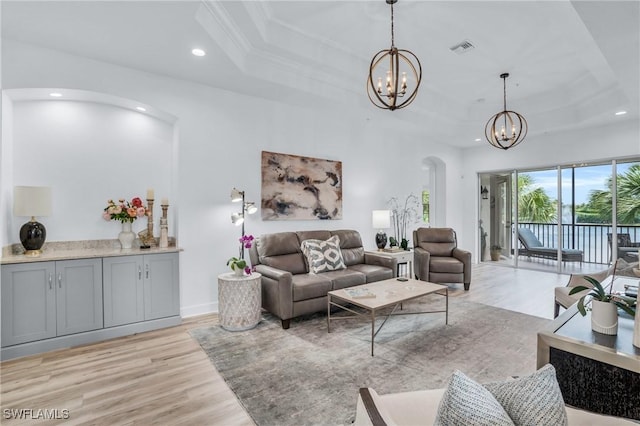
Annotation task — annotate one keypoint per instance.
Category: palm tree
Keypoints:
(534, 205)
(600, 201)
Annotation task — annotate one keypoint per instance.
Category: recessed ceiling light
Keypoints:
(621, 112)
(478, 139)
(141, 109)
(55, 94)
(198, 52)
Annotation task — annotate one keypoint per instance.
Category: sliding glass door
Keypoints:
(561, 218)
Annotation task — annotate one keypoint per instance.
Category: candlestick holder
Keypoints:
(164, 227)
(146, 237)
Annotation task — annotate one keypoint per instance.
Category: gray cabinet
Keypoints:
(48, 299)
(140, 288)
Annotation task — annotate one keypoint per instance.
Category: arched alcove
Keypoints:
(434, 181)
(88, 147)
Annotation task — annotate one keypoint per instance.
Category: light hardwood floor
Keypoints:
(163, 377)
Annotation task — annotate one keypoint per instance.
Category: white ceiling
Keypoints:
(572, 64)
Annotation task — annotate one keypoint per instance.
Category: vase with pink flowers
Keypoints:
(126, 212)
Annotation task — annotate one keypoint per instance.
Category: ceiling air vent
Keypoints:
(462, 47)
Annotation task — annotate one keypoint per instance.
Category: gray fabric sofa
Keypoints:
(289, 290)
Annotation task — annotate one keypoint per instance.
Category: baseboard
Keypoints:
(195, 310)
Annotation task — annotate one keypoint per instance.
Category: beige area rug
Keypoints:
(305, 376)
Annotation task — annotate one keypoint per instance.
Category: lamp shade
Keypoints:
(32, 201)
(381, 219)
(236, 195)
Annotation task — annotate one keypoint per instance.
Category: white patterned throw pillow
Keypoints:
(532, 400)
(467, 403)
(323, 256)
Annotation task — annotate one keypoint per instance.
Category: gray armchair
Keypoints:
(438, 259)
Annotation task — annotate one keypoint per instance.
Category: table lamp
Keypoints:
(381, 220)
(32, 201)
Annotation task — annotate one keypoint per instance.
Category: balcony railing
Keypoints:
(590, 238)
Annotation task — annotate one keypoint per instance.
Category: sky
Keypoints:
(588, 178)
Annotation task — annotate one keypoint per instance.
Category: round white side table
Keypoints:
(239, 301)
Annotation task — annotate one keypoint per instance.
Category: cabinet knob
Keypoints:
(147, 270)
(139, 273)
(60, 279)
(50, 281)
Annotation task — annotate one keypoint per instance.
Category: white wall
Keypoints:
(571, 147)
(6, 173)
(88, 153)
(221, 135)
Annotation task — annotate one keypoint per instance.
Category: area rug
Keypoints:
(306, 376)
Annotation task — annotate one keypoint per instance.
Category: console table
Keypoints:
(596, 372)
(85, 293)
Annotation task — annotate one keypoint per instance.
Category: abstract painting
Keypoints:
(300, 188)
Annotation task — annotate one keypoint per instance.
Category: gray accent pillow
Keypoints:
(532, 400)
(467, 403)
(323, 256)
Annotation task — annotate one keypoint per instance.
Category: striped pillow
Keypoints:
(323, 256)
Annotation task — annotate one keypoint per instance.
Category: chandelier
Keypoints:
(398, 92)
(513, 126)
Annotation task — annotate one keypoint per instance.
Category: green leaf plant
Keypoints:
(599, 293)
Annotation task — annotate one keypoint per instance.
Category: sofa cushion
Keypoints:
(282, 251)
(310, 286)
(467, 403)
(323, 256)
(345, 278)
(437, 241)
(351, 246)
(446, 265)
(532, 400)
(373, 272)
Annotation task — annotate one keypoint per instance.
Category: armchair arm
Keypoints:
(277, 291)
(367, 405)
(421, 259)
(464, 256)
(380, 259)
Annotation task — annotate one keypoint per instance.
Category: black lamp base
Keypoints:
(381, 240)
(32, 237)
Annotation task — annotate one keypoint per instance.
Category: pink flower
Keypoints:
(247, 270)
(136, 202)
(106, 216)
(117, 210)
(141, 211)
(132, 211)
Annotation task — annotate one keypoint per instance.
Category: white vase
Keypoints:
(126, 236)
(239, 272)
(604, 317)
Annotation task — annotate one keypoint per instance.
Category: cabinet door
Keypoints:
(28, 302)
(123, 290)
(161, 287)
(79, 295)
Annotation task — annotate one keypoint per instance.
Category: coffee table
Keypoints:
(388, 293)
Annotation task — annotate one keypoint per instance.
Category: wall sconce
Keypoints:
(381, 219)
(248, 207)
(484, 192)
(32, 201)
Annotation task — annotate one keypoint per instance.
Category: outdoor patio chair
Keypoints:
(627, 250)
(532, 247)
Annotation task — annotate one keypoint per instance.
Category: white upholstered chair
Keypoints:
(562, 297)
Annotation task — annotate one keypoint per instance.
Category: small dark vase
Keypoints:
(381, 240)
(393, 242)
(404, 244)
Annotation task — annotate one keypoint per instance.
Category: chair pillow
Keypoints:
(467, 403)
(532, 400)
(323, 256)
